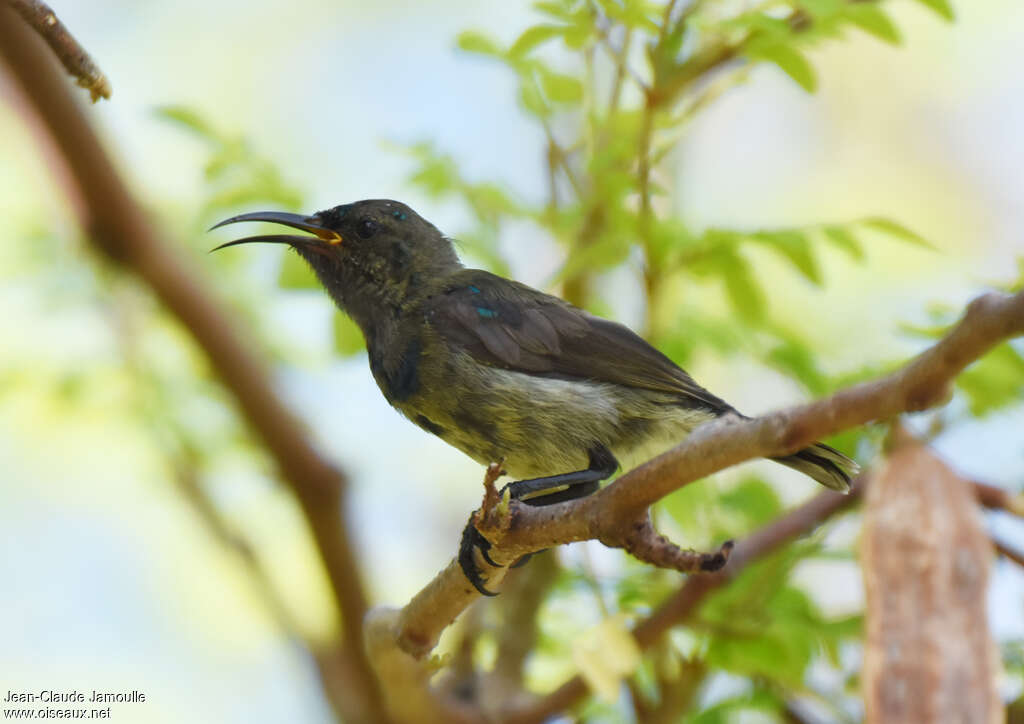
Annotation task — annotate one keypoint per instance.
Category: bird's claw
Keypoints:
(473, 539)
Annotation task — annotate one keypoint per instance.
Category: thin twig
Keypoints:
(561, 158)
(620, 57)
(645, 544)
(1009, 552)
(71, 55)
(621, 68)
(992, 496)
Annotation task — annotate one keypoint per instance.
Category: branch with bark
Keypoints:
(116, 224)
(614, 514)
(72, 56)
(686, 602)
(926, 585)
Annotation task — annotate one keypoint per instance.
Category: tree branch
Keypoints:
(609, 514)
(117, 225)
(71, 55)
(1008, 552)
(685, 602)
(992, 496)
(925, 589)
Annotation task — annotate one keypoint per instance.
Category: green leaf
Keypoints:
(481, 244)
(553, 8)
(560, 88)
(796, 248)
(743, 289)
(235, 196)
(437, 173)
(296, 274)
(790, 60)
(795, 359)
(692, 508)
(668, 240)
(768, 29)
(726, 711)
(694, 329)
(773, 654)
(532, 99)
(995, 381)
(754, 499)
(348, 340)
(189, 119)
(230, 155)
(604, 252)
(833, 633)
(843, 238)
(925, 331)
(532, 37)
(942, 7)
(871, 19)
(631, 14)
(490, 200)
(822, 8)
(888, 226)
(766, 628)
(473, 41)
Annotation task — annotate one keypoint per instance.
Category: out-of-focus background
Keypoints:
(110, 580)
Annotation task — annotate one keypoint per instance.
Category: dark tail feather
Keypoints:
(828, 466)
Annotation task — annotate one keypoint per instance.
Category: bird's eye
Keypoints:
(366, 228)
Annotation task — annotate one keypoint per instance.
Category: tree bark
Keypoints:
(926, 556)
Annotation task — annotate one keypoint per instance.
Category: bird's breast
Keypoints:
(397, 370)
(538, 425)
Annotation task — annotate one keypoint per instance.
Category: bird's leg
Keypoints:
(537, 491)
(567, 486)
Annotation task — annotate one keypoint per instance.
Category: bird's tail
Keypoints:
(826, 465)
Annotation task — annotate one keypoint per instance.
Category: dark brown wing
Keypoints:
(510, 325)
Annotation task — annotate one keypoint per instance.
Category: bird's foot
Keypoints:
(535, 492)
(473, 540)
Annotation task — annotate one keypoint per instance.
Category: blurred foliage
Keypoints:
(613, 85)
(238, 177)
(995, 381)
(236, 173)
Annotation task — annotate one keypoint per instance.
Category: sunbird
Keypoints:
(498, 369)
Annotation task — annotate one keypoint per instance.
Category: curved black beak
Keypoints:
(312, 224)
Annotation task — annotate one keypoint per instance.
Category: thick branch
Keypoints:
(608, 515)
(117, 225)
(925, 595)
(71, 55)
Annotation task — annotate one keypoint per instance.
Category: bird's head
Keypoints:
(370, 255)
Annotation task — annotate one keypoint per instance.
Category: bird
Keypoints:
(498, 369)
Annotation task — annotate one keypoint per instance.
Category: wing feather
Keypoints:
(510, 325)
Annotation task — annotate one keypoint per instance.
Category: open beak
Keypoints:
(312, 224)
